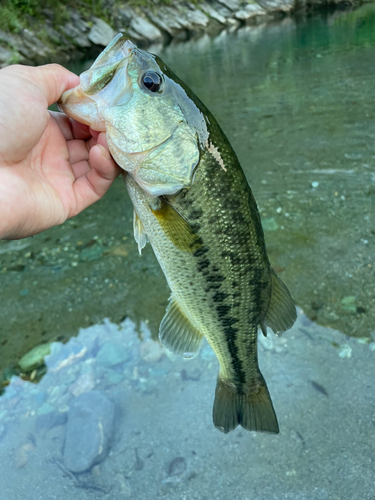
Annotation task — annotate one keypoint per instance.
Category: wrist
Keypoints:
(8, 222)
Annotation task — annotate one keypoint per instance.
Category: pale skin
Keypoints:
(51, 167)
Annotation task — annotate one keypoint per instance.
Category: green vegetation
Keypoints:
(18, 14)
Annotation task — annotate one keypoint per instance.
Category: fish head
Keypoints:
(154, 129)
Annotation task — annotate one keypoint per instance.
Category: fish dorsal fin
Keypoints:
(139, 232)
(176, 228)
(177, 333)
(281, 313)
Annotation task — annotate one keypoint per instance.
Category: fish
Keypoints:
(192, 202)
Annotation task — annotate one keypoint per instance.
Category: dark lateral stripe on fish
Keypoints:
(214, 279)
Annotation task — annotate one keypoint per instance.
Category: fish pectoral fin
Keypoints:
(140, 235)
(176, 228)
(177, 334)
(281, 313)
(251, 408)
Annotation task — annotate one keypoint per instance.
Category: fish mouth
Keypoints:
(80, 107)
(86, 105)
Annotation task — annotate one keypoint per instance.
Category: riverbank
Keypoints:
(61, 32)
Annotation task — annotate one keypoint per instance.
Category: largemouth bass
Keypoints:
(193, 204)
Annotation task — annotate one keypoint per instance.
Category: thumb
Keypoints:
(53, 80)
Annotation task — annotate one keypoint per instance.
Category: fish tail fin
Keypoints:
(251, 408)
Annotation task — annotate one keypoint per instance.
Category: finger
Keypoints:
(80, 130)
(64, 123)
(103, 165)
(94, 133)
(52, 80)
(91, 187)
(77, 151)
(81, 168)
(71, 129)
(102, 140)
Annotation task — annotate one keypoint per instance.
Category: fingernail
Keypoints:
(104, 152)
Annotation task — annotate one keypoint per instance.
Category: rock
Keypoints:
(2, 431)
(111, 354)
(277, 5)
(249, 11)
(345, 351)
(141, 29)
(78, 22)
(166, 20)
(349, 303)
(5, 55)
(113, 376)
(176, 467)
(76, 35)
(91, 253)
(47, 421)
(101, 33)
(191, 375)
(31, 47)
(63, 356)
(269, 224)
(196, 17)
(122, 17)
(225, 12)
(137, 26)
(233, 5)
(34, 358)
(89, 431)
(213, 13)
(21, 455)
(126, 489)
(45, 408)
(84, 383)
(151, 351)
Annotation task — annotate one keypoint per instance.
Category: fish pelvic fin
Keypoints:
(140, 235)
(281, 313)
(177, 334)
(251, 408)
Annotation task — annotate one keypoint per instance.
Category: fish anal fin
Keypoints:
(139, 232)
(251, 408)
(176, 228)
(281, 313)
(177, 333)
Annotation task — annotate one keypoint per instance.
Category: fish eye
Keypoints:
(152, 81)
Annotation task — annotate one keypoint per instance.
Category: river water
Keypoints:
(296, 100)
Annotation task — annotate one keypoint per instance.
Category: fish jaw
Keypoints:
(88, 102)
(82, 108)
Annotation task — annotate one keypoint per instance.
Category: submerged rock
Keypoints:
(111, 354)
(35, 357)
(151, 351)
(84, 383)
(21, 455)
(89, 431)
(48, 421)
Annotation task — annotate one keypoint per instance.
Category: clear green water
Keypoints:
(296, 100)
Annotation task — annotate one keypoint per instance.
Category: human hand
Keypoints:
(51, 167)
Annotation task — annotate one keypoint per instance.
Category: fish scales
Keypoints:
(193, 203)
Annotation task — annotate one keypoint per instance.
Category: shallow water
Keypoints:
(296, 100)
